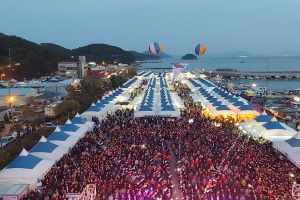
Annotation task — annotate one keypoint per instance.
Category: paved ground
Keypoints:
(177, 192)
(6, 131)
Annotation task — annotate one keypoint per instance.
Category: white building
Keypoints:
(69, 69)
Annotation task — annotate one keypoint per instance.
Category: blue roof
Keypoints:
(273, 125)
(47, 147)
(78, 120)
(145, 108)
(263, 118)
(222, 107)
(238, 103)
(217, 103)
(25, 162)
(59, 136)
(69, 127)
(246, 107)
(293, 142)
(94, 108)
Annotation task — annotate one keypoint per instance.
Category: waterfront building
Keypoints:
(68, 69)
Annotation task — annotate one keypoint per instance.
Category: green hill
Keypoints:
(28, 59)
(31, 60)
(189, 57)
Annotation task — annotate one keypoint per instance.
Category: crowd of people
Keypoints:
(131, 158)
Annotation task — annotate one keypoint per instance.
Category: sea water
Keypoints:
(275, 63)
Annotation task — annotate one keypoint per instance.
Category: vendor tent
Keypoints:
(288, 146)
(47, 150)
(62, 139)
(26, 169)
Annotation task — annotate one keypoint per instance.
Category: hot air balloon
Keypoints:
(200, 49)
(156, 48)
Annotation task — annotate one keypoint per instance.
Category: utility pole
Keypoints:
(10, 98)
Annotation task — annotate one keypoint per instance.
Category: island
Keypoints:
(189, 57)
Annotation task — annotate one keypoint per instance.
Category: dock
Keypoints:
(281, 74)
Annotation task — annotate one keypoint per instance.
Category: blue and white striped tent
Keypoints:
(47, 150)
(62, 139)
(25, 169)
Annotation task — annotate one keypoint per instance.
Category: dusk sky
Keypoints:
(258, 26)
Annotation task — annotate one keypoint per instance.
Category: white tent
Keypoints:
(294, 157)
(289, 146)
(48, 150)
(275, 131)
(26, 169)
(62, 139)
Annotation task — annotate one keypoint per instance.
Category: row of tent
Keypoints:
(147, 102)
(284, 138)
(270, 129)
(219, 102)
(165, 96)
(32, 165)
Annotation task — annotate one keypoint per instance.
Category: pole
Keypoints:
(9, 90)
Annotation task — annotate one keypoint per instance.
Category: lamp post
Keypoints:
(11, 100)
(2, 75)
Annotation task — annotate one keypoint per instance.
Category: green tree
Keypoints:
(117, 80)
(132, 71)
(88, 91)
(68, 107)
(6, 117)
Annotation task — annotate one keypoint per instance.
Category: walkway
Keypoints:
(177, 192)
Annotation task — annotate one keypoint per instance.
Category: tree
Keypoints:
(68, 107)
(88, 91)
(6, 118)
(132, 71)
(117, 81)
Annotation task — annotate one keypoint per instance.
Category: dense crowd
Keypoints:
(132, 158)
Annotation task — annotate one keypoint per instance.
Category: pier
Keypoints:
(281, 74)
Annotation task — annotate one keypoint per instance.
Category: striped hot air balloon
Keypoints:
(200, 49)
(156, 48)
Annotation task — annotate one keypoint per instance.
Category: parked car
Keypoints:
(49, 124)
(6, 140)
(16, 119)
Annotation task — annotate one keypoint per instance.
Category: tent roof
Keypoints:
(69, 127)
(47, 147)
(78, 120)
(222, 107)
(273, 125)
(263, 118)
(293, 142)
(24, 162)
(59, 136)
(246, 107)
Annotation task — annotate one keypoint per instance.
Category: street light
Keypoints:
(2, 75)
(254, 85)
(11, 100)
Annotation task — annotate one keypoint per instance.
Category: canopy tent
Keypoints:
(258, 121)
(47, 150)
(275, 131)
(294, 157)
(62, 139)
(25, 169)
(13, 191)
(83, 124)
(288, 146)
